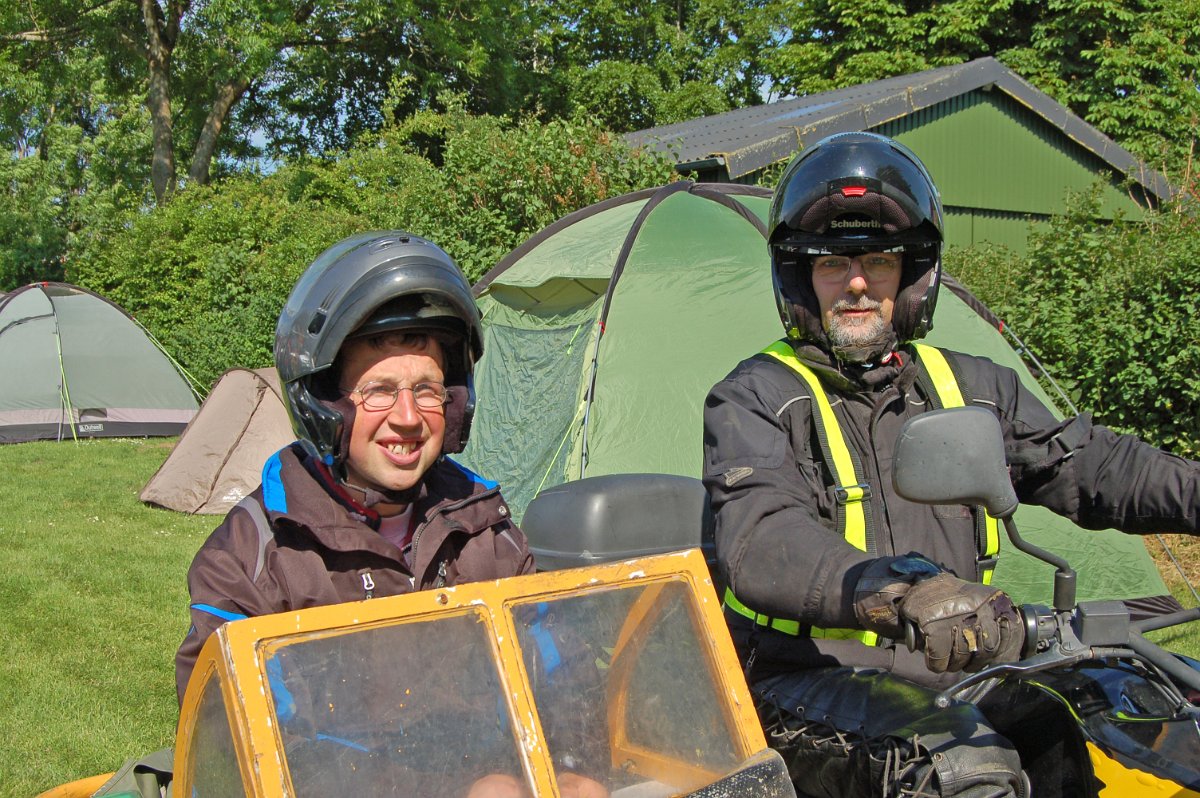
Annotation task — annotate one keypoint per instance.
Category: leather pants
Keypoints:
(850, 732)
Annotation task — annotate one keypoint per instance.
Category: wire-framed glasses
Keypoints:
(829, 267)
(383, 395)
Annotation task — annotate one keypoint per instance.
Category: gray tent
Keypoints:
(605, 331)
(219, 457)
(74, 365)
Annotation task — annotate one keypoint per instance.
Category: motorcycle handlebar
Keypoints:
(1092, 630)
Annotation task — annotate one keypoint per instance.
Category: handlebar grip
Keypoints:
(910, 635)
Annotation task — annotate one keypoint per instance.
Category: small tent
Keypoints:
(220, 456)
(605, 331)
(74, 365)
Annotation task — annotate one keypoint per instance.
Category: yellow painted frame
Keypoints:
(235, 656)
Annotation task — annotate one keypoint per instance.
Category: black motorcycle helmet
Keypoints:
(849, 193)
(364, 285)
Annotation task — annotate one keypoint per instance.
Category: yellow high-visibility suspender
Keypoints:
(946, 387)
(852, 493)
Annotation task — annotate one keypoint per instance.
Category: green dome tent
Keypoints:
(74, 365)
(605, 331)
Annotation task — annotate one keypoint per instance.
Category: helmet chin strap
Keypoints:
(372, 497)
(865, 353)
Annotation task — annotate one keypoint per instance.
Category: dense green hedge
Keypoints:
(1112, 310)
(208, 273)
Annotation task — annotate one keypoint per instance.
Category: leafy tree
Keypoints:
(208, 272)
(1129, 67)
(1112, 310)
(220, 76)
(638, 64)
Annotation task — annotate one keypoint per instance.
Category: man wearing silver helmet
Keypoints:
(825, 564)
(375, 349)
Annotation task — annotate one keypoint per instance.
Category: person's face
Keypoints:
(856, 294)
(391, 449)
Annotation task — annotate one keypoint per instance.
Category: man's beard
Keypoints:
(862, 341)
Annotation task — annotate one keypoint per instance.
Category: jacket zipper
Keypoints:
(448, 508)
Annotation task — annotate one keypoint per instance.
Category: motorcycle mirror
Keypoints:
(954, 456)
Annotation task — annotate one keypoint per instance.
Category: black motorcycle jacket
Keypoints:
(777, 529)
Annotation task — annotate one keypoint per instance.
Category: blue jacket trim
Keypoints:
(274, 494)
(285, 702)
(343, 741)
(224, 615)
(487, 483)
(542, 637)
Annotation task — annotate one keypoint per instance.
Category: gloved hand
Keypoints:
(963, 625)
(882, 586)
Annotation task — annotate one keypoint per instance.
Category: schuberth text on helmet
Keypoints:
(367, 284)
(855, 192)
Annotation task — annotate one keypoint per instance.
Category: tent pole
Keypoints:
(587, 402)
(64, 390)
(1178, 567)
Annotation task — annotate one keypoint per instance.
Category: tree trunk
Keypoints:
(206, 145)
(160, 42)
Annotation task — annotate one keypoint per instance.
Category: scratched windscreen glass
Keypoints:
(624, 688)
(412, 710)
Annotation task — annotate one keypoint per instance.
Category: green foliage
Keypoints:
(623, 96)
(633, 65)
(1113, 311)
(1129, 67)
(208, 272)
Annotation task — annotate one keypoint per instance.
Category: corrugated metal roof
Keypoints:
(748, 139)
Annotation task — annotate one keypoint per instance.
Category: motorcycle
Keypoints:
(1093, 707)
(617, 661)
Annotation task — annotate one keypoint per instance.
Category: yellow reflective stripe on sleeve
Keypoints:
(778, 624)
(843, 466)
(861, 635)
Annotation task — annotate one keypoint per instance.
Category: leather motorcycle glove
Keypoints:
(881, 587)
(962, 626)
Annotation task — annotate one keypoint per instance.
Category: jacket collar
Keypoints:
(899, 370)
(300, 491)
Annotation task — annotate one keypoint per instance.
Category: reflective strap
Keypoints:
(946, 386)
(850, 491)
(778, 624)
(793, 627)
(861, 635)
(939, 371)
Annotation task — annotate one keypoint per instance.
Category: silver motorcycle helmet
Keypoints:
(367, 284)
(851, 193)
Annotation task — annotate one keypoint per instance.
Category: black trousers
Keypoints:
(866, 733)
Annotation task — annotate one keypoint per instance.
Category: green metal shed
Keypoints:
(1002, 152)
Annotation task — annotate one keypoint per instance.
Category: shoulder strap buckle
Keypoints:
(845, 494)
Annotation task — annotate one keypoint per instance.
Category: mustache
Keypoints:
(863, 303)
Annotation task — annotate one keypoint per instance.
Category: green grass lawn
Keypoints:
(92, 606)
(93, 603)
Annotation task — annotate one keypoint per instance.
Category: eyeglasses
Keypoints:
(383, 395)
(875, 265)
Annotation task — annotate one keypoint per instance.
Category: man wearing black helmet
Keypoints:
(375, 350)
(825, 564)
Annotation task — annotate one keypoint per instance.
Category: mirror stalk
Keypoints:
(1064, 574)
